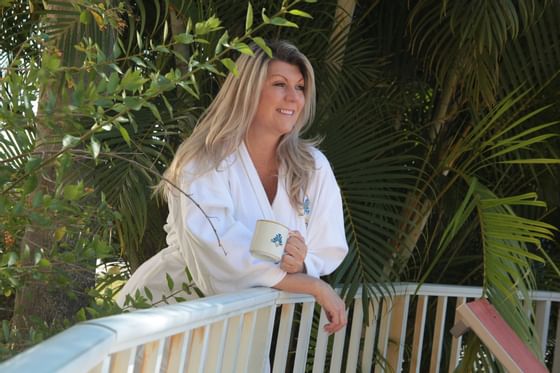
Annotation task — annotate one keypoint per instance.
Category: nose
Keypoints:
(291, 94)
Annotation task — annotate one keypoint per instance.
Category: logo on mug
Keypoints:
(277, 240)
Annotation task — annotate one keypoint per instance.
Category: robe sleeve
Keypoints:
(235, 269)
(326, 238)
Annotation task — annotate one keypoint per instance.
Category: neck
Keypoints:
(261, 149)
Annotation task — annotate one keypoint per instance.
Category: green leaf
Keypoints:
(138, 61)
(249, 17)
(124, 133)
(162, 49)
(205, 27)
(148, 293)
(262, 44)
(282, 22)
(81, 315)
(133, 102)
(153, 108)
(37, 199)
(113, 83)
(533, 161)
(132, 80)
(32, 164)
(73, 192)
(168, 105)
(243, 48)
(184, 38)
(70, 141)
(299, 13)
(116, 51)
(95, 147)
(12, 259)
(170, 283)
(6, 330)
(224, 39)
(231, 66)
(38, 257)
(264, 16)
(50, 62)
(30, 184)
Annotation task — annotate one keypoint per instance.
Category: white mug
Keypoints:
(269, 240)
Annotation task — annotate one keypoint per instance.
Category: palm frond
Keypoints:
(507, 258)
(464, 40)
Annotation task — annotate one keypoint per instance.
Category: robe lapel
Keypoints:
(256, 185)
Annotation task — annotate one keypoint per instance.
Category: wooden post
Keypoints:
(483, 319)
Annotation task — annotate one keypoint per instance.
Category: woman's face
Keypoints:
(282, 99)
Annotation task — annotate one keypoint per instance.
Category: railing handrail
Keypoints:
(92, 340)
(436, 290)
(85, 345)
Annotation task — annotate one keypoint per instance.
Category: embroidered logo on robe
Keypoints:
(306, 209)
(277, 240)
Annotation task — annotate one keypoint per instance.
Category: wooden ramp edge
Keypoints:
(483, 319)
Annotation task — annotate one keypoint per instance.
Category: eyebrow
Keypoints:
(282, 76)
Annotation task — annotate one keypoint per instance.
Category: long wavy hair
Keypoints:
(224, 125)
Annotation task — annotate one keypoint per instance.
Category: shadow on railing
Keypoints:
(258, 329)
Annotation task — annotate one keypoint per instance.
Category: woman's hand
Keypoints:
(333, 305)
(294, 254)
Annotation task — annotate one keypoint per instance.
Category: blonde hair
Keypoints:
(224, 125)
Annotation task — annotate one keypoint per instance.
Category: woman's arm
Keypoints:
(326, 237)
(334, 307)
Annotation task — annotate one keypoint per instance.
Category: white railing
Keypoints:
(249, 332)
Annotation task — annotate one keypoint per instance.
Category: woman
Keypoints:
(245, 161)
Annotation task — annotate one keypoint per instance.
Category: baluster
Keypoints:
(233, 341)
(151, 360)
(303, 336)
(216, 342)
(197, 352)
(438, 334)
(418, 338)
(246, 343)
(262, 339)
(283, 339)
(177, 352)
(370, 334)
(383, 339)
(321, 344)
(456, 343)
(542, 315)
(123, 361)
(338, 350)
(397, 332)
(556, 358)
(355, 335)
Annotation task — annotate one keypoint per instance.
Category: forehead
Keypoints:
(284, 69)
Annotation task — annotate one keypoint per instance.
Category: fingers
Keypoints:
(294, 253)
(337, 319)
(334, 308)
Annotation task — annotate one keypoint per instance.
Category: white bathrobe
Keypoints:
(234, 198)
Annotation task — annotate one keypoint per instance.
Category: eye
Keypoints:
(300, 87)
(279, 84)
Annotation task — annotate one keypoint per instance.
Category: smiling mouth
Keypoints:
(286, 111)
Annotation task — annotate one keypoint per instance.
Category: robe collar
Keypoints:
(256, 185)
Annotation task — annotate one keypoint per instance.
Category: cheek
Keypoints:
(301, 101)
